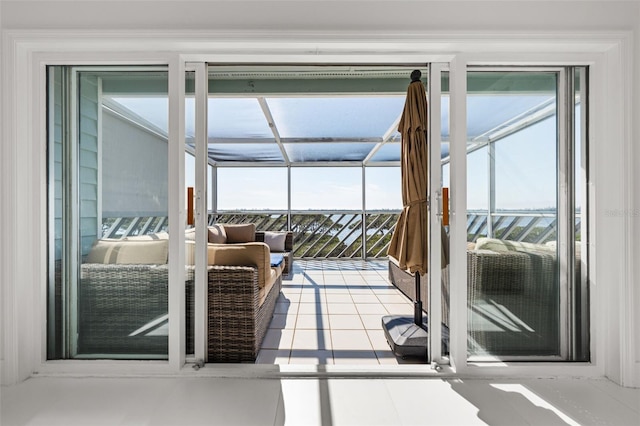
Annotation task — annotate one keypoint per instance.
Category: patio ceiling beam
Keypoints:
(332, 140)
(520, 122)
(221, 140)
(274, 129)
(385, 138)
(294, 164)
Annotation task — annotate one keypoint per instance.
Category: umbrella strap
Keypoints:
(420, 201)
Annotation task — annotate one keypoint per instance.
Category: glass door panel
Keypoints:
(445, 209)
(578, 231)
(189, 205)
(108, 215)
(439, 213)
(513, 286)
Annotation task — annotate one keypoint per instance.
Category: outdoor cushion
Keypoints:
(276, 259)
(217, 234)
(497, 245)
(190, 253)
(140, 251)
(248, 254)
(275, 240)
(240, 233)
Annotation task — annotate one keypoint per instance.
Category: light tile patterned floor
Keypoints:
(330, 312)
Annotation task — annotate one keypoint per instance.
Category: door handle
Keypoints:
(190, 218)
(443, 206)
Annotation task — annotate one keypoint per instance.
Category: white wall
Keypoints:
(395, 19)
(636, 201)
(308, 15)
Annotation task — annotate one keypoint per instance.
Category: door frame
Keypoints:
(25, 258)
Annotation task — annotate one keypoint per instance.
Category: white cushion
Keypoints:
(498, 245)
(137, 251)
(147, 237)
(275, 240)
(190, 234)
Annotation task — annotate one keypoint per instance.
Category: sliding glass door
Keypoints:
(109, 161)
(524, 280)
(108, 209)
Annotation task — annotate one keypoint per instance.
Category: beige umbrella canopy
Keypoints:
(409, 241)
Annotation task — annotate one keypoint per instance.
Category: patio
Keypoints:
(330, 313)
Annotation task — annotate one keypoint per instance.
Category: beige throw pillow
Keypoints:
(275, 240)
(217, 235)
(240, 233)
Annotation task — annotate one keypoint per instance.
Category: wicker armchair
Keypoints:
(513, 300)
(118, 304)
(512, 297)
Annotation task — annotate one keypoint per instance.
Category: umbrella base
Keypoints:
(405, 338)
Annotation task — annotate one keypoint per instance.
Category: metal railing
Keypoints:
(532, 226)
(325, 234)
(339, 234)
(317, 234)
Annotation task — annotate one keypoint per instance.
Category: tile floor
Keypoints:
(330, 312)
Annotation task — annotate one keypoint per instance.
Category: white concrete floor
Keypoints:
(215, 401)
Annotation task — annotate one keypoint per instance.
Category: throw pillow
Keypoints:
(240, 233)
(275, 240)
(217, 235)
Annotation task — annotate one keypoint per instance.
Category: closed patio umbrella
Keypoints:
(408, 336)
(409, 240)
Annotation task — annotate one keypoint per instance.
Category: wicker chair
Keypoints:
(513, 300)
(117, 303)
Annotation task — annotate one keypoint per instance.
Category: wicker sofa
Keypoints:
(123, 298)
(512, 297)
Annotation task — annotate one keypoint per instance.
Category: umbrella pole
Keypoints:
(417, 304)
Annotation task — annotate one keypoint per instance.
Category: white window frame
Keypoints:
(23, 173)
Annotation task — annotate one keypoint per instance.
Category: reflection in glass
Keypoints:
(110, 183)
(513, 276)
